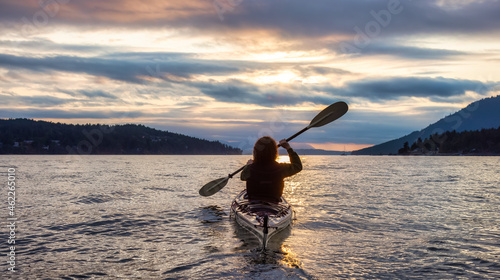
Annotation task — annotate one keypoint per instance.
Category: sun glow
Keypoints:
(283, 77)
(290, 56)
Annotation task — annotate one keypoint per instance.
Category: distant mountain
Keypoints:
(25, 136)
(478, 115)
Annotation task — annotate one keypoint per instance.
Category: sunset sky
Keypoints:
(234, 70)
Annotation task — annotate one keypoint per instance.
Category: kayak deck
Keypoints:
(252, 215)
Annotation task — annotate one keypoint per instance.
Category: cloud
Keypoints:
(90, 93)
(408, 52)
(137, 67)
(45, 45)
(38, 113)
(320, 70)
(297, 18)
(397, 87)
(97, 93)
(374, 90)
(93, 12)
(237, 91)
(398, 17)
(128, 70)
(13, 100)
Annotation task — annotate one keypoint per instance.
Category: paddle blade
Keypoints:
(329, 114)
(213, 187)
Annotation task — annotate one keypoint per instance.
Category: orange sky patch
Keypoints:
(340, 146)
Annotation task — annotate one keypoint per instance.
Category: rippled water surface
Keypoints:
(140, 217)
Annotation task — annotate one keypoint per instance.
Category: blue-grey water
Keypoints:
(140, 217)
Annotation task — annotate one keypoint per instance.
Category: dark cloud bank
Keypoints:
(238, 91)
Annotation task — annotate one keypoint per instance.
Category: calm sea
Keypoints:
(140, 217)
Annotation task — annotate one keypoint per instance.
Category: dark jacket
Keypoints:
(265, 182)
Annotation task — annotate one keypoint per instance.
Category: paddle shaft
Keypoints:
(296, 134)
(236, 172)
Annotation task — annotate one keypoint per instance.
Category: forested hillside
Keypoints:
(485, 141)
(25, 136)
(482, 114)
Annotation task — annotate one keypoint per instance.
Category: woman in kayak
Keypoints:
(264, 176)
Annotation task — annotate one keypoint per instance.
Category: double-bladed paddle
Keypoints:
(328, 115)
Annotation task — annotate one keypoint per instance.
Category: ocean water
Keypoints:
(140, 217)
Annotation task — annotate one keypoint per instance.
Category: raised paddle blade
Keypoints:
(213, 187)
(329, 114)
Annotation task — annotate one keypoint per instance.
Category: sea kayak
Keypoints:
(263, 219)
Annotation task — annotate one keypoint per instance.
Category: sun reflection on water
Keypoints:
(283, 159)
(289, 257)
(292, 186)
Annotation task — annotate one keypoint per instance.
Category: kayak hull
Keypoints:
(252, 215)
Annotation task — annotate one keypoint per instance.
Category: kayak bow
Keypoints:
(263, 219)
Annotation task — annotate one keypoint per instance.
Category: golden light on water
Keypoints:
(292, 186)
(289, 257)
(283, 159)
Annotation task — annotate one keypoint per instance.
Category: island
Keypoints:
(477, 142)
(27, 136)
